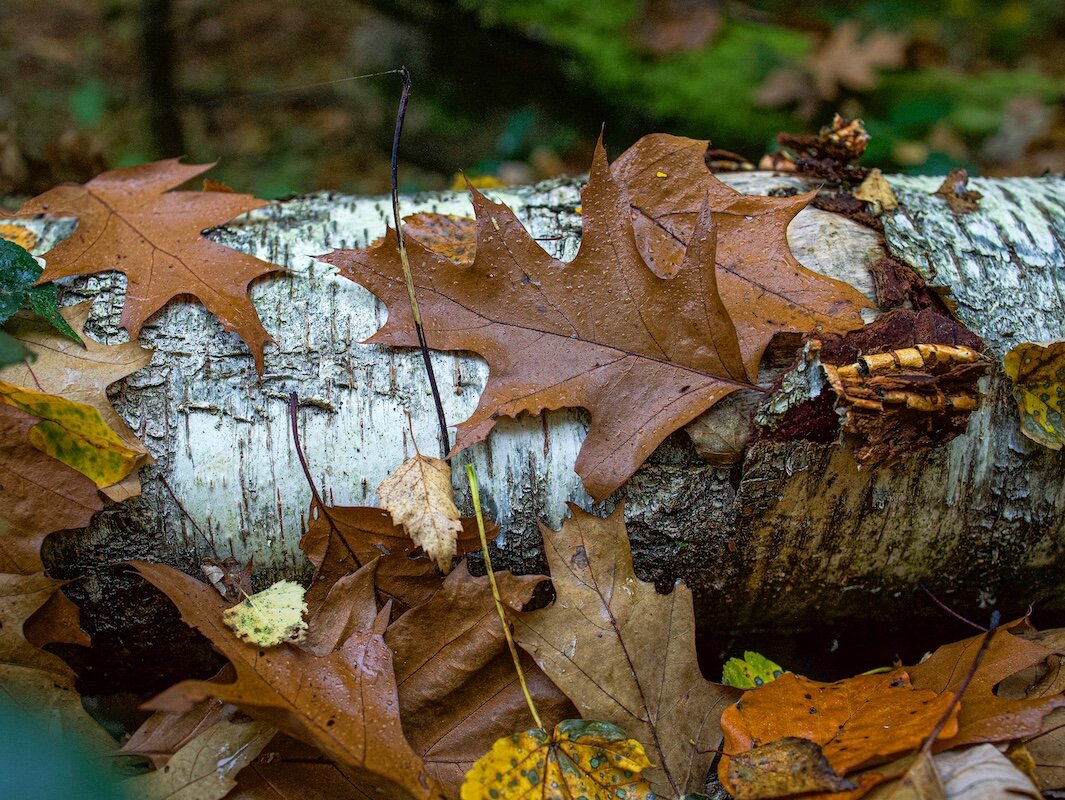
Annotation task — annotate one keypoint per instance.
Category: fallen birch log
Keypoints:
(793, 534)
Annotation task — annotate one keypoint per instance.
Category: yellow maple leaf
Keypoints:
(270, 617)
(73, 433)
(579, 758)
(1038, 374)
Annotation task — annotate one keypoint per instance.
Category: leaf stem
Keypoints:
(401, 113)
(475, 494)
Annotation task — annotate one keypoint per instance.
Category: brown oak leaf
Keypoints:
(985, 716)
(129, 221)
(644, 354)
(41, 495)
(625, 654)
(458, 690)
(343, 703)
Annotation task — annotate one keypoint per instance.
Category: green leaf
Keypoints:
(751, 671)
(12, 351)
(18, 272)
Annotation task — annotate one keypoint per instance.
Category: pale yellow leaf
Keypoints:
(272, 616)
(420, 498)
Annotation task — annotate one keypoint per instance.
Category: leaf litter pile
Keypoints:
(398, 673)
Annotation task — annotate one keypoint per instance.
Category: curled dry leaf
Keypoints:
(206, 767)
(419, 497)
(344, 703)
(876, 190)
(857, 722)
(74, 433)
(369, 533)
(129, 221)
(1038, 375)
(976, 773)
(955, 190)
(41, 495)
(984, 716)
(458, 689)
(579, 758)
(783, 768)
(625, 654)
(679, 284)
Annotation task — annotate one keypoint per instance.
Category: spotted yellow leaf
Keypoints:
(579, 758)
(751, 671)
(73, 433)
(23, 237)
(272, 616)
(1038, 374)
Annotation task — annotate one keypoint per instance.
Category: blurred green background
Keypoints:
(516, 89)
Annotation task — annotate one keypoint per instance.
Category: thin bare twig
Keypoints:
(189, 517)
(950, 610)
(419, 329)
(293, 407)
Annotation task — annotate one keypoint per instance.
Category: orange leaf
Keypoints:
(857, 721)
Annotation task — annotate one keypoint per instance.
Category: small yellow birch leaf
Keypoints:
(73, 433)
(580, 758)
(419, 497)
(1038, 374)
(876, 190)
(23, 237)
(272, 616)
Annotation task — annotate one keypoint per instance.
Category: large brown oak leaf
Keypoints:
(638, 328)
(343, 703)
(625, 654)
(129, 221)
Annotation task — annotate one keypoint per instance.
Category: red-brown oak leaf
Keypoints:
(128, 221)
(643, 354)
(985, 716)
(41, 495)
(764, 287)
(343, 703)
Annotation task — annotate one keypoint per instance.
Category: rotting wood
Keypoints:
(976, 519)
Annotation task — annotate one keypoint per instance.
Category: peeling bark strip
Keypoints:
(980, 515)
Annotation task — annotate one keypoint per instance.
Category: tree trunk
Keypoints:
(792, 536)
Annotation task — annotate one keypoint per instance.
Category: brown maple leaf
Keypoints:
(625, 654)
(343, 703)
(41, 495)
(984, 716)
(128, 221)
(458, 690)
(644, 354)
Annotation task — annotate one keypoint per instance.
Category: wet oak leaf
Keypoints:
(625, 654)
(205, 768)
(1038, 375)
(578, 759)
(458, 690)
(985, 716)
(344, 703)
(857, 722)
(643, 354)
(763, 286)
(128, 221)
(40, 495)
(75, 434)
(419, 497)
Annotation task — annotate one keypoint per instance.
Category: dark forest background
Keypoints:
(515, 89)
